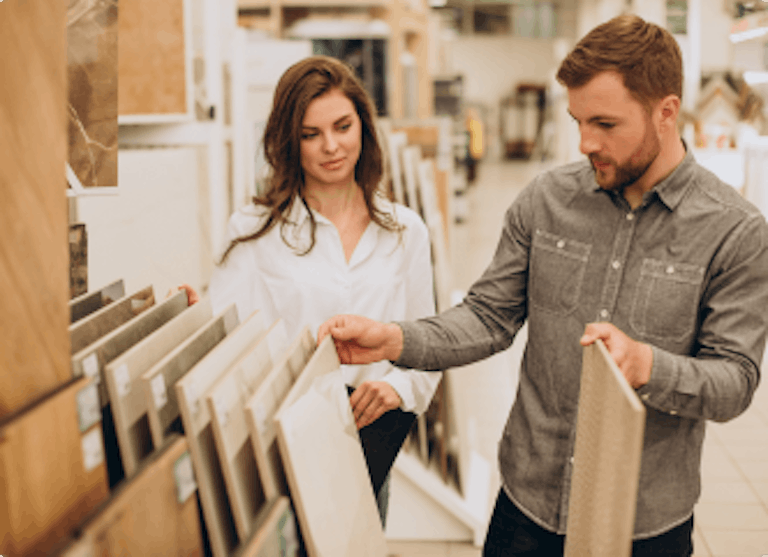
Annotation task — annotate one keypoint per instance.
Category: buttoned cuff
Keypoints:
(657, 391)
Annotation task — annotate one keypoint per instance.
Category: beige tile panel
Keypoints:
(732, 543)
(417, 549)
(726, 516)
(719, 491)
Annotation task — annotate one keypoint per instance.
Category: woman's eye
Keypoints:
(345, 127)
(308, 135)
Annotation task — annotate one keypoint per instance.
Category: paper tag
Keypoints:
(93, 449)
(91, 366)
(261, 418)
(185, 477)
(192, 398)
(220, 404)
(123, 380)
(88, 407)
(159, 391)
(287, 535)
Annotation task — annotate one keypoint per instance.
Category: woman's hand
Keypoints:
(371, 400)
(192, 296)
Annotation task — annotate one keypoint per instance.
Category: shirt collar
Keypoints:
(298, 213)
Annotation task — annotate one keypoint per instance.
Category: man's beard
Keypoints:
(627, 174)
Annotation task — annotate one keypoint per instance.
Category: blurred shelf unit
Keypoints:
(386, 42)
(449, 95)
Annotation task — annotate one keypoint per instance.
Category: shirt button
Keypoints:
(645, 396)
(630, 216)
(561, 244)
(604, 313)
(673, 412)
(571, 460)
(670, 270)
(616, 264)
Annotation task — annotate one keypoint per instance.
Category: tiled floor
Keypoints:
(732, 516)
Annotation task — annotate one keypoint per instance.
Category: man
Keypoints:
(640, 247)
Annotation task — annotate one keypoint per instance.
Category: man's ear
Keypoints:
(667, 111)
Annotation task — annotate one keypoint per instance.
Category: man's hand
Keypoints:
(372, 399)
(634, 359)
(360, 340)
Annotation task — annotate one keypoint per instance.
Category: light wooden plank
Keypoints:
(396, 143)
(411, 159)
(606, 469)
(123, 377)
(325, 465)
(152, 59)
(91, 301)
(261, 407)
(92, 359)
(226, 400)
(34, 251)
(274, 532)
(196, 418)
(155, 513)
(52, 471)
(91, 328)
(157, 382)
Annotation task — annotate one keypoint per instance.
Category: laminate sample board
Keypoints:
(123, 376)
(274, 532)
(196, 419)
(91, 328)
(92, 359)
(153, 513)
(324, 463)
(606, 469)
(397, 141)
(226, 400)
(261, 407)
(157, 382)
(411, 158)
(52, 471)
(91, 301)
(152, 61)
(34, 251)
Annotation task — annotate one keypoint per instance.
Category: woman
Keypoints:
(321, 240)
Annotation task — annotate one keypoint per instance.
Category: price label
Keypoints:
(91, 366)
(184, 474)
(93, 449)
(159, 391)
(88, 407)
(123, 380)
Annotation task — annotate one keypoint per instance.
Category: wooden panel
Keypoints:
(274, 532)
(411, 159)
(396, 143)
(261, 407)
(92, 96)
(606, 469)
(52, 471)
(426, 137)
(157, 382)
(325, 465)
(90, 329)
(173, 321)
(78, 260)
(155, 513)
(152, 58)
(226, 400)
(190, 391)
(34, 252)
(86, 304)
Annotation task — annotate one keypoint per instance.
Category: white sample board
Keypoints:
(196, 419)
(123, 378)
(261, 407)
(325, 465)
(226, 400)
(606, 469)
(158, 381)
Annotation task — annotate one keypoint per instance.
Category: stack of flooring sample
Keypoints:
(324, 463)
(52, 471)
(609, 443)
(89, 302)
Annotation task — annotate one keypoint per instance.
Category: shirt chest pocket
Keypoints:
(556, 272)
(667, 299)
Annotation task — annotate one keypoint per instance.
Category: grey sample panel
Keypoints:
(91, 301)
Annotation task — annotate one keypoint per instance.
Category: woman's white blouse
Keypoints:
(388, 278)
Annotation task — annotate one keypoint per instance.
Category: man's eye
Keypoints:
(606, 125)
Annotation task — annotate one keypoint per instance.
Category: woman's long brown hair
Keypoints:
(299, 85)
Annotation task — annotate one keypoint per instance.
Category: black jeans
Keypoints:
(512, 534)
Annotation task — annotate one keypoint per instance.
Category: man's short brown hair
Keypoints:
(645, 55)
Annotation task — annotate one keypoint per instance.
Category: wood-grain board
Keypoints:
(92, 359)
(34, 251)
(261, 407)
(325, 465)
(91, 301)
(151, 58)
(196, 418)
(396, 143)
(154, 513)
(606, 469)
(123, 377)
(274, 532)
(158, 381)
(226, 400)
(52, 471)
(91, 328)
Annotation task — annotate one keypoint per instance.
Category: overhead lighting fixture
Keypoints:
(756, 78)
(749, 34)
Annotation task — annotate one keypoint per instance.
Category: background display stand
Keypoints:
(606, 469)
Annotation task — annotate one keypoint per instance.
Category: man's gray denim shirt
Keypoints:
(685, 272)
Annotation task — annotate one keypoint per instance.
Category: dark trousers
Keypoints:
(512, 534)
